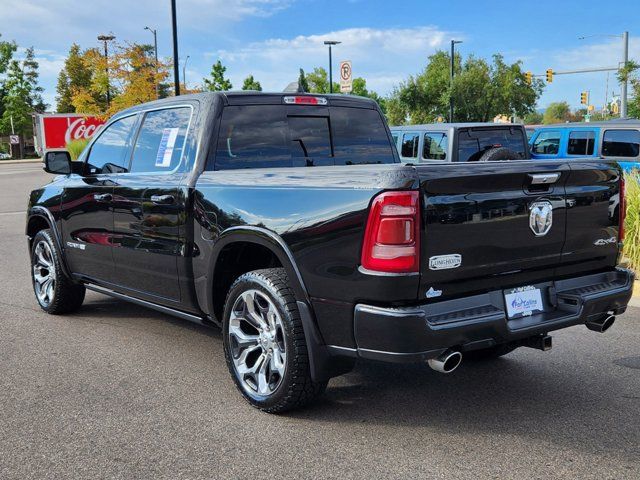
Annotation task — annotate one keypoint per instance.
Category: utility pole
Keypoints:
(155, 51)
(625, 59)
(453, 48)
(176, 65)
(106, 39)
(331, 43)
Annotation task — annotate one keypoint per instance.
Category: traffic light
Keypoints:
(549, 75)
(528, 77)
(584, 98)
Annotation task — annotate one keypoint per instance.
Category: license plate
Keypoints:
(523, 301)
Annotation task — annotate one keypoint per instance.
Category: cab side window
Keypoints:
(546, 143)
(109, 152)
(435, 146)
(621, 143)
(160, 143)
(581, 142)
(409, 147)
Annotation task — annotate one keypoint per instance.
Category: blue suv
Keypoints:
(619, 139)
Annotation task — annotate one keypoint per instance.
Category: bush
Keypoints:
(632, 223)
(75, 148)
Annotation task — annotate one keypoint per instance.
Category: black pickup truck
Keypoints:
(288, 221)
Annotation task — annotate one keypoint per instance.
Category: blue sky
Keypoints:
(386, 41)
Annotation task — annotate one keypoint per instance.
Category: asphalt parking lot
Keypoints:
(119, 391)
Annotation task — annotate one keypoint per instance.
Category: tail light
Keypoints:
(392, 236)
(622, 210)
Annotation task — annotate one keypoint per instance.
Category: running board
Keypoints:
(144, 303)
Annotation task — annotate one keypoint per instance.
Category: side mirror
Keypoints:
(58, 163)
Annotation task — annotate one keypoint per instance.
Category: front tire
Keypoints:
(55, 292)
(264, 343)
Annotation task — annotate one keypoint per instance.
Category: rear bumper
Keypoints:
(415, 334)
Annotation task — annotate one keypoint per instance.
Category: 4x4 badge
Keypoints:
(541, 217)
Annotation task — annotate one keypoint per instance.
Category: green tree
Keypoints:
(216, 81)
(303, 85)
(76, 74)
(533, 118)
(318, 81)
(359, 87)
(557, 112)
(481, 90)
(251, 84)
(23, 95)
(630, 73)
(7, 49)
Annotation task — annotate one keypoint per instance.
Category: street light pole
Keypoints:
(330, 43)
(625, 59)
(184, 72)
(453, 47)
(155, 51)
(176, 65)
(106, 39)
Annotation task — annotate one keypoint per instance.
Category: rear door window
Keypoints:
(434, 146)
(581, 142)
(621, 143)
(409, 147)
(160, 142)
(546, 143)
(474, 142)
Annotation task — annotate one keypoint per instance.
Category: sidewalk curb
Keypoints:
(14, 162)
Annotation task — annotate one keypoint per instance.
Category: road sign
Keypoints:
(346, 83)
(14, 139)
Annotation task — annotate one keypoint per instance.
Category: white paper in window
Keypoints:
(165, 149)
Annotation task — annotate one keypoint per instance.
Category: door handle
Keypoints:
(103, 197)
(543, 178)
(162, 199)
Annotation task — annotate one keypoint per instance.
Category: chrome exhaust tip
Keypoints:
(602, 324)
(447, 362)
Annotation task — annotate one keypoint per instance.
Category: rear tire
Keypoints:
(55, 292)
(489, 353)
(264, 343)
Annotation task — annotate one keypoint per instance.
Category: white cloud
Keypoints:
(384, 57)
(53, 25)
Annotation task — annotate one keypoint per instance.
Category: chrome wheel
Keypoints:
(44, 273)
(257, 343)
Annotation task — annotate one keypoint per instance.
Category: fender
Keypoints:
(265, 238)
(43, 212)
(322, 365)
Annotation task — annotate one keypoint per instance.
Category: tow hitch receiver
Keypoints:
(539, 342)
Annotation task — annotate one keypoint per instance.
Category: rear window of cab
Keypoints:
(263, 136)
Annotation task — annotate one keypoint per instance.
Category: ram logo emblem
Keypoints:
(541, 217)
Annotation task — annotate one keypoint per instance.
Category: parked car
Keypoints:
(289, 221)
(619, 140)
(530, 129)
(460, 142)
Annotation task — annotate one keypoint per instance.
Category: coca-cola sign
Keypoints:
(60, 130)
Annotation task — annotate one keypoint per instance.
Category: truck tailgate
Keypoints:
(508, 224)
